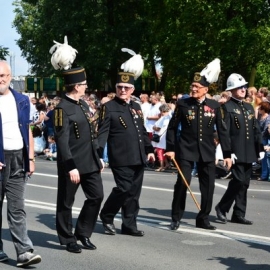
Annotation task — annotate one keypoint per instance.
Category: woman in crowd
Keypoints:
(160, 128)
(264, 118)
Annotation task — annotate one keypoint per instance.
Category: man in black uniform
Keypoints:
(246, 148)
(121, 125)
(77, 162)
(198, 117)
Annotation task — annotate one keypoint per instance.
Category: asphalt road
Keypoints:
(231, 246)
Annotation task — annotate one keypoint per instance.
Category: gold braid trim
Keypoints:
(58, 117)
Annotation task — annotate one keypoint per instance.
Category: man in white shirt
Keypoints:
(153, 114)
(16, 166)
(145, 105)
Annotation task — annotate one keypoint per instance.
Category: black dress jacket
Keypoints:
(197, 123)
(244, 130)
(121, 126)
(76, 147)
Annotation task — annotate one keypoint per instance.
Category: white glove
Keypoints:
(261, 154)
(102, 163)
(233, 158)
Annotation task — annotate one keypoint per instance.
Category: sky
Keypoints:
(8, 37)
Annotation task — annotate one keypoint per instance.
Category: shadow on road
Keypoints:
(239, 263)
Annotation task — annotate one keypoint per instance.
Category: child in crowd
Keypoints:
(51, 151)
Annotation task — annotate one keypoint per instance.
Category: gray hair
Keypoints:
(164, 107)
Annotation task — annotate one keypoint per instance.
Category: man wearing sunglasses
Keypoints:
(121, 125)
(78, 164)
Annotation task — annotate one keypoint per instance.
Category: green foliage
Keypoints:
(3, 53)
(181, 35)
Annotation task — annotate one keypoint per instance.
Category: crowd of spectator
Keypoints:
(157, 112)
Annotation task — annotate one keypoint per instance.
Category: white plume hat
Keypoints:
(134, 65)
(209, 74)
(211, 71)
(63, 55)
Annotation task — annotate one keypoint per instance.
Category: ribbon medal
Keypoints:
(208, 112)
(134, 113)
(191, 114)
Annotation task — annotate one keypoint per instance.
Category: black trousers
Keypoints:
(206, 174)
(237, 190)
(125, 195)
(93, 189)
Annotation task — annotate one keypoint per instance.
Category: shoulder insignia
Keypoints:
(222, 112)
(102, 113)
(58, 118)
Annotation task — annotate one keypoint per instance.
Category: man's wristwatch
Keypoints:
(32, 159)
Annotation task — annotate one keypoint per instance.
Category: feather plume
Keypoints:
(63, 55)
(128, 50)
(134, 65)
(211, 71)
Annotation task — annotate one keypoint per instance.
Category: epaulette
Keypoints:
(102, 113)
(58, 118)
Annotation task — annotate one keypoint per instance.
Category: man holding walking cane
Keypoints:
(199, 117)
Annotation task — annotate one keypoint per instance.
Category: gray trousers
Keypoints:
(12, 184)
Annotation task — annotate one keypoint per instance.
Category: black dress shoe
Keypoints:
(3, 256)
(73, 247)
(109, 228)
(220, 215)
(132, 232)
(241, 220)
(205, 226)
(175, 225)
(86, 242)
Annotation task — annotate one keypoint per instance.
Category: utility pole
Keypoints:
(12, 63)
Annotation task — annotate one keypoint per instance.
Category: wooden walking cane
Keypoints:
(186, 183)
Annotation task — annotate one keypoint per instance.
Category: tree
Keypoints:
(181, 35)
(97, 29)
(3, 52)
(196, 32)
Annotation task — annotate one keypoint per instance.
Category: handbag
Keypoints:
(155, 137)
(39, 144)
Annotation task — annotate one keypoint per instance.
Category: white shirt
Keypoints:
(219, 154)
(145, 109)
(12, 137)
(154, 111)
(162, 123)
(32, 111)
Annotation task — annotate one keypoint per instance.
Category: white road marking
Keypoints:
(40, 186)
(250, 189)
(144, 187)
(230, 235)
(156, 223)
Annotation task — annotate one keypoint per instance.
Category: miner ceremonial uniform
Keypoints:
(75, 136)
(246, 147)
(196, 144)
(121, 126)
(246, 143)
(76, 149)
